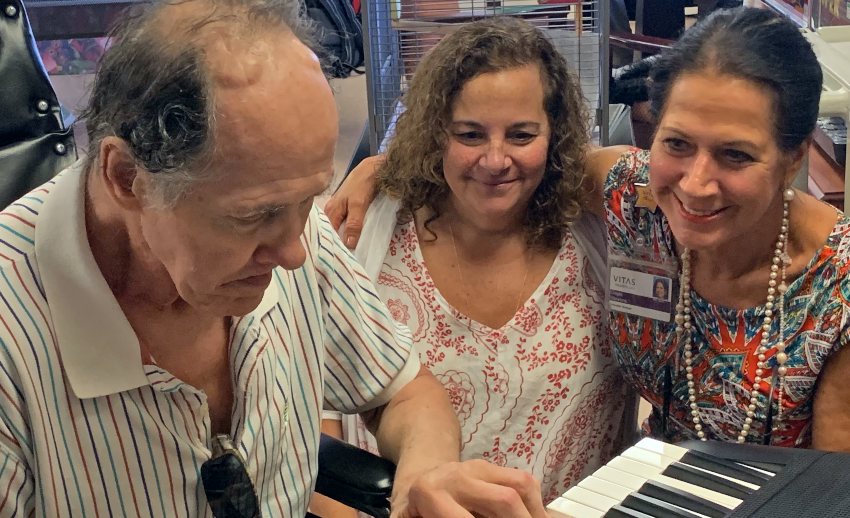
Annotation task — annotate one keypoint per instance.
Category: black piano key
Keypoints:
(655, 507)
(683, 499)
(618, 511)
(765, 466)
(725, 467)
(700, 478)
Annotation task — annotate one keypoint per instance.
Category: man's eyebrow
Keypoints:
(264, 210)
(273, 208)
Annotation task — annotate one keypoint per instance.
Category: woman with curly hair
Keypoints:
(477, 243)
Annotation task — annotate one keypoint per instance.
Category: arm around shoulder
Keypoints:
(598, 163)
(351, 201)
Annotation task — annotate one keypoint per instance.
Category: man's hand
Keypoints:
(419, 431)
(474, 488)
(350, 202)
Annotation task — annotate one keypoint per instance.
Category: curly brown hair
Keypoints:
(413, 170)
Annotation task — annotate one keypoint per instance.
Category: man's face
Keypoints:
(276, 132)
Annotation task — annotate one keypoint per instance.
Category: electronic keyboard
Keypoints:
(713, 480)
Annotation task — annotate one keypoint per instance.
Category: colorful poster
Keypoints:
(72, 56)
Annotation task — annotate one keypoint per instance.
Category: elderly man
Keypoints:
(176, 313)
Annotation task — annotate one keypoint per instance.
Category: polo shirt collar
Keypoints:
(99, 349)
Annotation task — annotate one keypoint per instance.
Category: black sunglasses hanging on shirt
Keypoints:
(227, 484)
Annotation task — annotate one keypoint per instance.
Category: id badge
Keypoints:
(643, 288)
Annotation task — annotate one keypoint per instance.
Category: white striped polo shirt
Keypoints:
(87, 430)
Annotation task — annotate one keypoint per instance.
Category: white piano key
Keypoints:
(647, 457)
(712, 496)
(650, 472)
(605, 487)
(640, 454)
(616, 477)
(629, 503)
(744, 483)
(615, 491)
(631, 482)
(619, 511)
(634, 467)
(661, 461)
(620, 477)
(677, 452)
(592, 499)
(662, 448)
(563, 508)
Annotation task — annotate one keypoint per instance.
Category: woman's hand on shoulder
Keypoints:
(598, 161)
(351, 201)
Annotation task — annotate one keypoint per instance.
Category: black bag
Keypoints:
(340, 35)
(34, 143)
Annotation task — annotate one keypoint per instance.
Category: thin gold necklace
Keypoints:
(464, 285)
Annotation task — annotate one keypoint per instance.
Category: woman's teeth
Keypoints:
(695, 212)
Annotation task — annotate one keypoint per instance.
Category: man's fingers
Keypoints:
(482, 488)
(493, 501)
(522, 482)
(517, 482)
(506, 489)
(438, 508)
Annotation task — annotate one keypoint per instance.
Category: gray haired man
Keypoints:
(176, 313)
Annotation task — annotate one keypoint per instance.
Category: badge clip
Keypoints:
(645, 199)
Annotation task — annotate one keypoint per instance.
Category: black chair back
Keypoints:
(34, 143)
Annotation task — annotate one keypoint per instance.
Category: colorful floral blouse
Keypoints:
(724, 339)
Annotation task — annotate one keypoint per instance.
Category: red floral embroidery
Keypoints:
(398, 310)
(461, 392)
(533, 394)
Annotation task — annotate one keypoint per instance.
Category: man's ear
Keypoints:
(118, 171)
(795, 162)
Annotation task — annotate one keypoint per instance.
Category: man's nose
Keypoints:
(290, 254)
(284, 245)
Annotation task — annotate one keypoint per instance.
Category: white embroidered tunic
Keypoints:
(542, 393)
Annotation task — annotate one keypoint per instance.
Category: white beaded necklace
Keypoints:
(780, 262)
